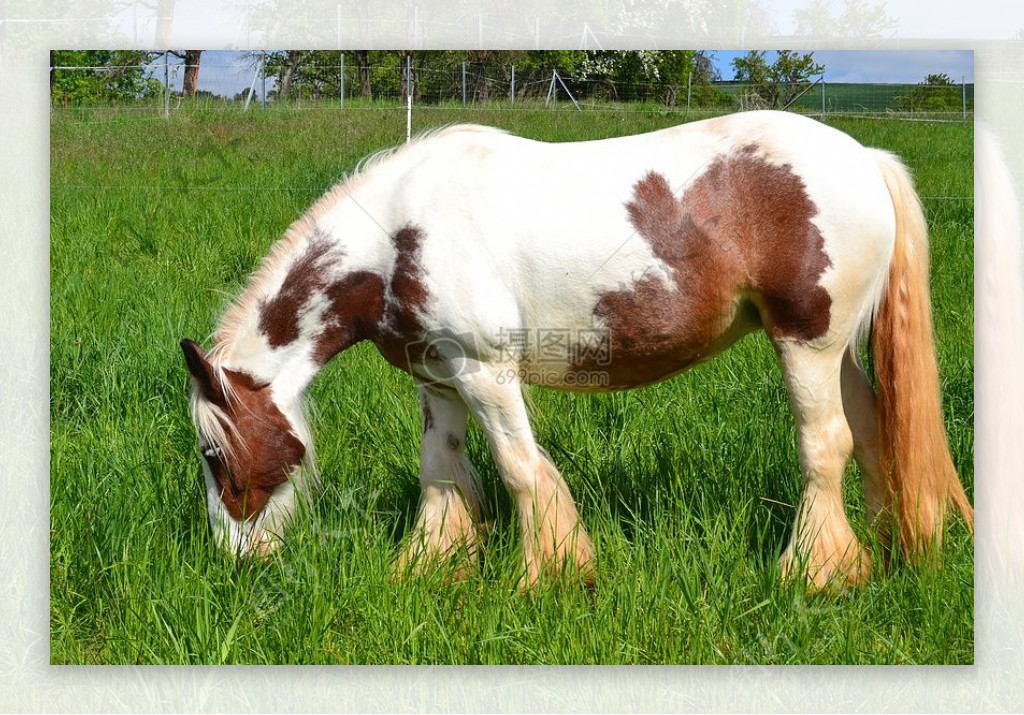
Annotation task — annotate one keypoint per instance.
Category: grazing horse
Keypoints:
(478, 261)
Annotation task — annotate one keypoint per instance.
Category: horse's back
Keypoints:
(674, 243)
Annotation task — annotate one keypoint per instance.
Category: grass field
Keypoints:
(687, 486)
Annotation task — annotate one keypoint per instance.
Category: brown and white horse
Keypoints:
(477, 261)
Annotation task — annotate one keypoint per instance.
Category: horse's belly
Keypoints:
(641, 342)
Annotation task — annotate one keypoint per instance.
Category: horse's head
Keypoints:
(251, 455)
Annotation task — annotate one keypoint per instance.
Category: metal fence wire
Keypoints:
(347, 85)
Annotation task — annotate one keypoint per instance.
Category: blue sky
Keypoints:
(878, 65)
(229, 72)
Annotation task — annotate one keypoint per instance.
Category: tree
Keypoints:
(778, 84)
(661, 75)
(703, 92)
(285, 65)
(363, 62)
(937, 93)
(105, 75)
(191, 79)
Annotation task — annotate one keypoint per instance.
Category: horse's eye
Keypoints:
(210, 453)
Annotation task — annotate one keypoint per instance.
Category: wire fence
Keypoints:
(245, 87)
(252, 84)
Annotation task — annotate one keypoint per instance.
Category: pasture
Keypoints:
(687, 487)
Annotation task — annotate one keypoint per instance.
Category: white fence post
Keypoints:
(252, 89)
(341, 84)
(408, 97)
(562, 82)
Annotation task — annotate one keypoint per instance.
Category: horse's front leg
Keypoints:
(554, 539)
(451, 502)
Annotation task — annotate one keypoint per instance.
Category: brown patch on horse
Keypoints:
(408, 292)
(741, 250)
(784, 251)
(355, 301)
(401, 333)
(280, 315)
(356, 306)
(262, 453)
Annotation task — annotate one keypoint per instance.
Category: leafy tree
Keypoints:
(937, 93)
(290, 62)
(776, 85)
(648, 75)
(106, 75)
(534, 67)
(703, 90)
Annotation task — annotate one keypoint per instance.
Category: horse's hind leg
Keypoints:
(554, 539)
(860, 406)
(823, 547)
(451, 500)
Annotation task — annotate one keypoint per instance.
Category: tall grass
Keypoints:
(687, 486)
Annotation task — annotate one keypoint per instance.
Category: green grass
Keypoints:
(685, 486)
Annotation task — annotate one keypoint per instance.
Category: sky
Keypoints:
(228, 72)
(899, 66)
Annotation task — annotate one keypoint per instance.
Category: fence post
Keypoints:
(689, 90)
(341, 84)
(823, 95)
(963, 94)
(463, 84)
(167, 87)
(513, 85)
(252, 89)
(263, 75)
(555, 76)
(408, 97)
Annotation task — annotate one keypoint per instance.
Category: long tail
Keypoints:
(922, 478)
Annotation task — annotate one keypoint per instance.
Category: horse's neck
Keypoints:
(318, 291)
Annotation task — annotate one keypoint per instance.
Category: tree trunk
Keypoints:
(363, 59)
(479, 60)
(291, 63)
(188, 87)
(481, 92)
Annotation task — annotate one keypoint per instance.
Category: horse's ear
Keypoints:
(202, 372)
